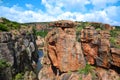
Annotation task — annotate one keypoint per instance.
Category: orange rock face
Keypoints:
(63, 50)
(90, 52)
(96, 46)
(104, 74)
(46, 73)
(115, 56)
(65, 53)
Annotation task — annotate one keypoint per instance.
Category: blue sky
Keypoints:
(105, 11)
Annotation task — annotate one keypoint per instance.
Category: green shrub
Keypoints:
(114, 36)
(7, 25)
(112, 40)
(98, 29)
(3, 27)
(3, 64)
(41, 33)
(87, 69)
(19, 76)
(113, 33)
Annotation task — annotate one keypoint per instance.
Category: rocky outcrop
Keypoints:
(68, 55)
(63, 52)
(97, 74)
(19, 50)
(96, 46)
(115, 56)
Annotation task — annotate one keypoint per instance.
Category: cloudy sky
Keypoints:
(106, 11)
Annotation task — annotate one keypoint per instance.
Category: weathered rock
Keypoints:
(107, 74)
(5, 37)
(69, 76)
(46, 73)
(6, 52)
(30, 75)
(63, 50)
(91, 52)
(96, 46)
(19, 51)
(40, 42)
(89, 44)
(115, 56)
(63, 24)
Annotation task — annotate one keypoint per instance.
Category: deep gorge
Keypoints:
(65, 51)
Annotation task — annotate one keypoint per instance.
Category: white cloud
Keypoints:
(77, 5)
(30, 6)
(101, 4)
(108, 15)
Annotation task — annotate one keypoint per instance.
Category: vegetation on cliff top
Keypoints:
(7, 25)
(115, 35)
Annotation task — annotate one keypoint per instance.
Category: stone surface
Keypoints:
(5, 37)
(115, 56)
(46, 73)
(19, 49)
(40, 42)
(104, 74)
(63, 24)
(96, 46)
(65, 55)
(30, 75)
(63, 50)
(69, 76)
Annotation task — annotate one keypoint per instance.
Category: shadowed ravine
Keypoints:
(39, 65)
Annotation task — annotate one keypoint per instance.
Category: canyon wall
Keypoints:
(19, 49)
(79, 55)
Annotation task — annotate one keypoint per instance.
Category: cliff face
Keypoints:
(86, 55)
(19, 49)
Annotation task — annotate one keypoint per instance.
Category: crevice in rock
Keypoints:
(117, 69)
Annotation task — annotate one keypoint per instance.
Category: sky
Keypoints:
(105, 11)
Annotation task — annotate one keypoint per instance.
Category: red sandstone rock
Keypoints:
(63, 50)
(115, 56)
(90, 52)
(96, 46)
(46, 73)
(104, 74)
(64, 55)
(63, 23)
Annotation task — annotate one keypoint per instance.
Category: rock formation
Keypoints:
(69, 55)
(63, 52)
(19, 49)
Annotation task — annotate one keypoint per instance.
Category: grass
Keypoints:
(3, 64)
(41, 33)
(7, 25)
(86, 70)
(19, 76)
(114, 36)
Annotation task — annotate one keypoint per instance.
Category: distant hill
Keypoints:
(7, 25)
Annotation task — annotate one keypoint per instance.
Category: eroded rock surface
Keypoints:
(96, 46)
(67, 51)
(19, 50)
